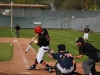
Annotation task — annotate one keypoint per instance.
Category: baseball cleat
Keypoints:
(73, 73)
(31, 68)
(49, 69)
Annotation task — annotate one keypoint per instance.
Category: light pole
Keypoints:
(73, 21)
(11, 13)
(82, 5)
(95, 4)
(75, 4)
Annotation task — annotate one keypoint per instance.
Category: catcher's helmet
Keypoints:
(38, 29)
(61, 47)
(80, 39)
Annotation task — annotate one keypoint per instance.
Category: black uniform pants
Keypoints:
(89, 66)
(17, 33)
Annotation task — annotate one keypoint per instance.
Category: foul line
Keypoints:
(24, 59)
(13, 34)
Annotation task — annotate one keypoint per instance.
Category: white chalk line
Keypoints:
(24, 59)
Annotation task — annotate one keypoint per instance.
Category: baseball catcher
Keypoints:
(66, 64)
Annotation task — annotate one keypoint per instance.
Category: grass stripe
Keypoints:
(66, 37)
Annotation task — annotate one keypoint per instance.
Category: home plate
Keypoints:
(26, 73)
(14, 40)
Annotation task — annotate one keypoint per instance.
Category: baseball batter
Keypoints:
(43, 43)
(86, 33)
(90, 51)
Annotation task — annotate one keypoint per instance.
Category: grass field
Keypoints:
(6, 52)
(66, 37)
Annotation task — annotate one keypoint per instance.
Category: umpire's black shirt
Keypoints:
(89, 50)
(44, 38)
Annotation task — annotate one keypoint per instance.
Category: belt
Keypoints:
(45, 48)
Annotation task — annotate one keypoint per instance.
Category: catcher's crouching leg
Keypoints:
(47, 66)
(57, 70)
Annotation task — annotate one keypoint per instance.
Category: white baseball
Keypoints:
(11, 44)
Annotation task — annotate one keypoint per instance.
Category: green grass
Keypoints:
(5, 32)
(6, 52)
(66, 37)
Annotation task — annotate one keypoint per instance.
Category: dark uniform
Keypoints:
(65, 64)
(86, 33)
(43, 39)
(91, 52)
(17, 27)
(86, 30)
(43, 43)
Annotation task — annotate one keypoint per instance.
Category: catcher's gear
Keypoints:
(51, 52)
(61, 47)
(38, 29)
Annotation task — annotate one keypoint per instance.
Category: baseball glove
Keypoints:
(51, 52)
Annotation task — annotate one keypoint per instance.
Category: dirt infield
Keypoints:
(21, 60)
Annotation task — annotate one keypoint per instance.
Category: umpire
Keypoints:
(17, 27)
(92, 53)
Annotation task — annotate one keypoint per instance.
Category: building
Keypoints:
(6, 8)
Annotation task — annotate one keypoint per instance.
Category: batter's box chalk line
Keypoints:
(14, 40)
(26, 73)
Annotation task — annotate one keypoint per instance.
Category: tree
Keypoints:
(77, 4)
(98, 4)
(20, 1)
(62, 4)
(58, 3)
(71, 5)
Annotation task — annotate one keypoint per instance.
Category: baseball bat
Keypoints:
(27, 49)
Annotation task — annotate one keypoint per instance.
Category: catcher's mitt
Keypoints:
(51, 52)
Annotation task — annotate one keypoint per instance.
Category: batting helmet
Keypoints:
(80, 39)
(61, 47)
(38, 29)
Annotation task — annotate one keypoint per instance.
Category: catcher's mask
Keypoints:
(80, 39)
(61, 47)
(38, 29)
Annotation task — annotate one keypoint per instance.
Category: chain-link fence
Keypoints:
(77, 20)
